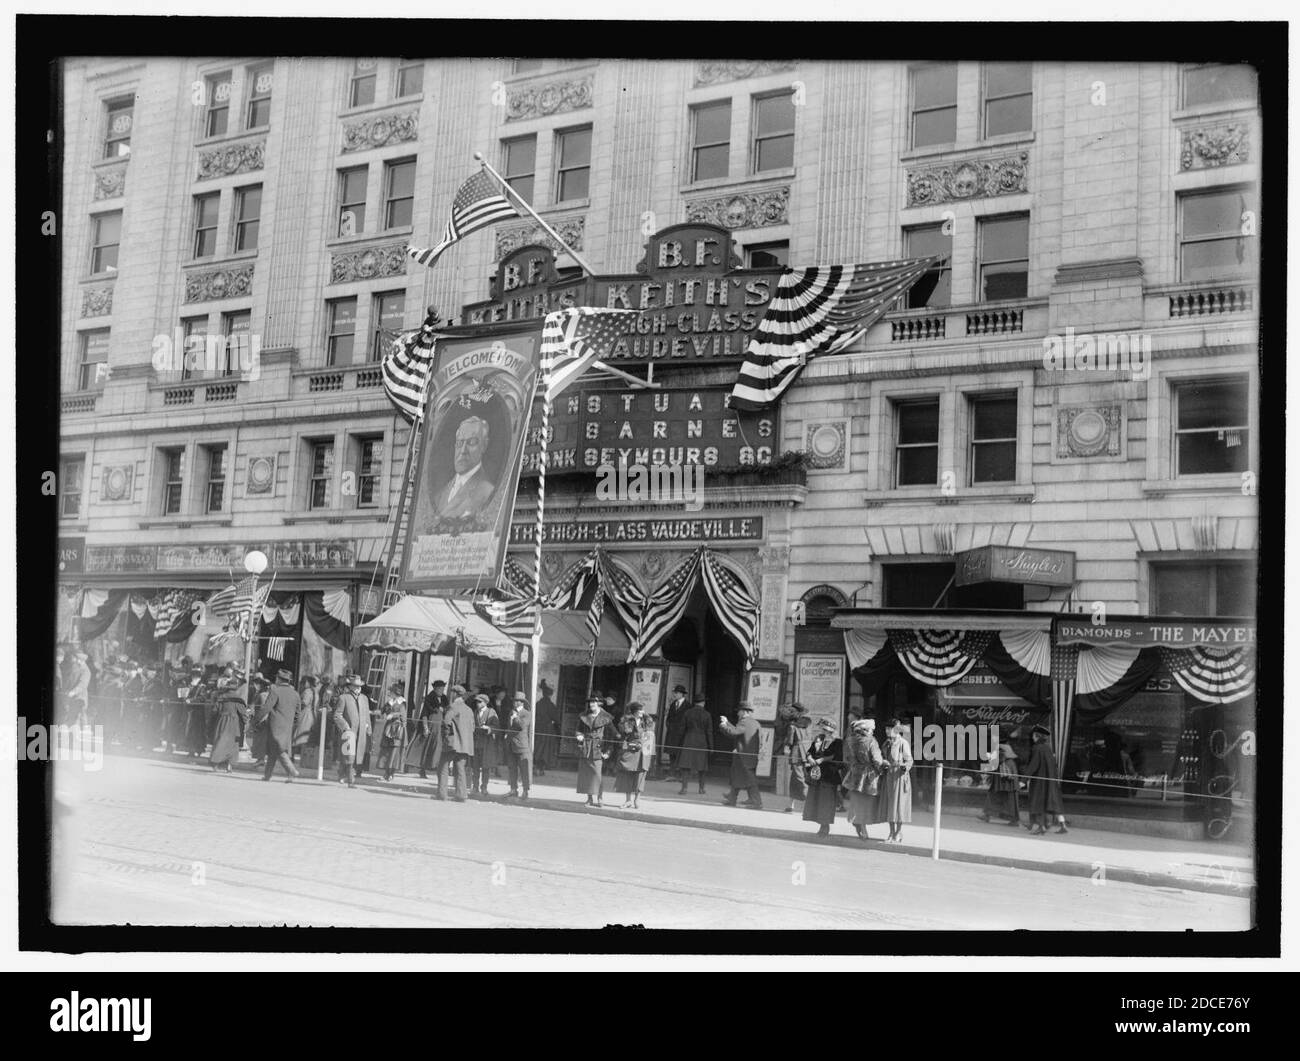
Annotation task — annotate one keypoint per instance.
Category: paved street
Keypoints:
(155, 842)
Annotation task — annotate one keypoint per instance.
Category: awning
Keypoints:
(931, 619)
(433, 624)
(566, 640)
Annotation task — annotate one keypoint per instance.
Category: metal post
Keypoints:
(938, 809)
(254, 617)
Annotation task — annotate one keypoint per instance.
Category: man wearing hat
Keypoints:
(674, 724)
(1044, 784)
(486, 745)
(744, 759)
(279, 710)
(457, 743)
(352, 723)
(696, 744)
(548, 729)
(519, 745)
(428, 741)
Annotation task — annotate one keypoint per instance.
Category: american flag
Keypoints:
(595, 612)
(665, 607)
(1065, 679)
(623, 593)
(572, 587)
(171, 608)
(573, 338)
(220, 603)
(514, 616)
(820, 310)
(406, 367)
(479, 203)
(734, 605)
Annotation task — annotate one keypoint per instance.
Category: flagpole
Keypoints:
(478, 157)
(535, 649)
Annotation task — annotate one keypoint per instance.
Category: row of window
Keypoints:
(365, 456)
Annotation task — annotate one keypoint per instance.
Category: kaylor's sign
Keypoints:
(697, 304)
(1004, 563)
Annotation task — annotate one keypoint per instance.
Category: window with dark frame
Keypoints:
(107, 237)
(573, 169)
(399, 193)
(361, 90)
(1220, 83)
(917, 442)
(519, 165)
(94, 353)
(173, 463)
(194, 347)
(1008, 98)
(1003, 257)
(370, 461)
(1213, 588)
(206, 208)
(258, 110)
(934, 105)
(1212, 426)
(248, 213)
(387, 315)
(341, 331)
(321, 481)
(352, 200)
(710, 140)
(924, 241)
(215, 494)
(72, 473)
(773, 138)
(236, 327)
(767, 255)
(1213, 239)
(410, 77)
(992, 438)
(117, 137)
(217, 118)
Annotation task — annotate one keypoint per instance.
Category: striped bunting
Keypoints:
(736, 608)
(406, 367)
(620, 589)
(939, 657)
(572, 587)
(815, 311)
(665, 607)
(1218, 676)
(478, 203)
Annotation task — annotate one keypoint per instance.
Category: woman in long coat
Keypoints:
(225, 739)
(697, 743)
(595, 728)
(861, 780)
(306, 720)
(636, 754)
(824, 772)
(895, 805)
(392, 743)
(1003, 796)
(257, 745)
(1044, 785)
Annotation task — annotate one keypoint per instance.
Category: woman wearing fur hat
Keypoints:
(824, 771)
(895, 805)
(636, 754)
(861, 780)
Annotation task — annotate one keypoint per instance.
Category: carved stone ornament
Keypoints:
(232, 159)
(97, 302)
(110, 183)
(219, 283)
(389, 260)
(715, 71)
(555, 97)
(261, 475)
(1227, 144)
(380, 130)
(1088, 431)
(968, 179)
(747, 210)
(826, 443)
(117, 483)
(570, 229)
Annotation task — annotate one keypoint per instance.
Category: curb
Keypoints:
(1118, 874)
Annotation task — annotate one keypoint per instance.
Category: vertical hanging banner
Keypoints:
(481, 393)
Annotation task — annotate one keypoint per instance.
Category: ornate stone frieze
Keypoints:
(510, 239)
(775, 558)
(388, 260)
(380, 130)
(977, 178)
(117, 482)
(1224, 144)
(553, 97)
(97, 301)
(769, 206)
(826, 443)
(219, 283)
(231, 159)
(715, 71)
(1089, 431)
(110, 183)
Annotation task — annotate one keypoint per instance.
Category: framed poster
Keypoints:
(819, 684)
(646, 683)
(472, 440)
(763, 689)
(766, 738)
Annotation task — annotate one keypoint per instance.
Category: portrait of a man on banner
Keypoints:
(480, 397)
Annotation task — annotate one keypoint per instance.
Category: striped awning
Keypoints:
(434, 624)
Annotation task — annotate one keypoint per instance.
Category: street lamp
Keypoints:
(254, 563)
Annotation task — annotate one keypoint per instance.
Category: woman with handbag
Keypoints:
(895, 805)
(823, 771)
(392, 745)
(594, 728)
(861, 780)
(636, 754)
(1003, 796)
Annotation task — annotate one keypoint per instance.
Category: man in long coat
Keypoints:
(426, 747)
(548, 729)
(352, 723)
(457, 743)
(280, 710)
(519, 752)
(674, 723)
(1044, 784)
(696, 744)
(744, 760)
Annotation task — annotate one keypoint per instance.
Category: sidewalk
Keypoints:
(1224, 869)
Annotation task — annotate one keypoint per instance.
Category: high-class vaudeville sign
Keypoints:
(657, 529)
